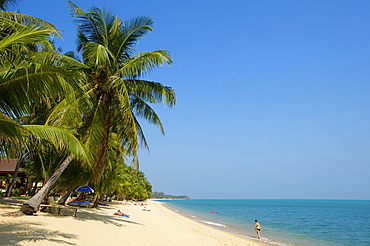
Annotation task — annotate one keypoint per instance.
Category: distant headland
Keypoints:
(162, 195)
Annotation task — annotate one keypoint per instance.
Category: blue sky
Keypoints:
(272, 95)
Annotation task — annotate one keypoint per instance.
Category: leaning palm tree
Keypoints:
(24, 83)
(117, 92)
(33, 76)
(69, 148)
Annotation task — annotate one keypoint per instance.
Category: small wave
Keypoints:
(193, 216)
(275, 242)
(265, 240)
(212, 223)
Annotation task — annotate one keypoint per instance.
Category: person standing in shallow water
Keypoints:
(257, 227)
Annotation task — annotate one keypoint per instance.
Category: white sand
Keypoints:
(159, 227)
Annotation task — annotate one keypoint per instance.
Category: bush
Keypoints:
(17, 192)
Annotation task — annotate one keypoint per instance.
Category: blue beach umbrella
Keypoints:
(84, 189)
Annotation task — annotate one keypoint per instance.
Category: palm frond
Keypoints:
(24, 86)
(61, 139)
(9, 26)
(65, 114)
(97, 56)
(104, 20)
(86, 23)
(144, 111)
(152, 92)
(10, 130)
(25, 36)
(28, 20)
(6, 4)
(142, 63)
(58, 60)
(131, 32)
(128, 129)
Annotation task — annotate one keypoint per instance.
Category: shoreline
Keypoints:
(217, 226)
(160, 226)
(214, 226)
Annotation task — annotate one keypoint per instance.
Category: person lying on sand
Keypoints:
(121, 213)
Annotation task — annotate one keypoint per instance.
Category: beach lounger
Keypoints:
(86, 204)
(54, 207)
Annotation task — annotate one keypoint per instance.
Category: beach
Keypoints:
(160, 226)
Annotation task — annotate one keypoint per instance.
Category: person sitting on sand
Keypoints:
(122, 213)
(258, 228)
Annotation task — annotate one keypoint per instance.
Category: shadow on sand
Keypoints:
(16, 232)
(12, 202)
(83, 214)
(99, 214)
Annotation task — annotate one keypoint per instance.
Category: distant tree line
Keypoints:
(162, 195)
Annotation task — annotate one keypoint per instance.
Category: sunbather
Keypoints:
(122, 213)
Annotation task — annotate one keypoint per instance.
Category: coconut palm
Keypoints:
(32, 76)
(69, 148)
(118, 94)
(135, 185)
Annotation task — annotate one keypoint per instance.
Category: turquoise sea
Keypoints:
(285, 222)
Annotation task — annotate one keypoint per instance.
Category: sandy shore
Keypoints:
(159, 227)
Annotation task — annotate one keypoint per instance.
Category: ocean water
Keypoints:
(285, 222)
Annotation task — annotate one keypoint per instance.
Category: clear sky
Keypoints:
(273, 96)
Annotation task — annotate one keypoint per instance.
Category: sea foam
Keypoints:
(212, 223)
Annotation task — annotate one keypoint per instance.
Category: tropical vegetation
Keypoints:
(162, 195)
(74, 122)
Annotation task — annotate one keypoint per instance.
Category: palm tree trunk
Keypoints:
(63, 200)
(101, 161)
(10, 187)
(96, 200)
(33, 192)
(32, 205)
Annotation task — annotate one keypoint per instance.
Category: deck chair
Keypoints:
(55, 207)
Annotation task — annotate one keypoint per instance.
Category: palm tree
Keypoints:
(30, 72)
(69, 147)
(33, 76)
(118, 94)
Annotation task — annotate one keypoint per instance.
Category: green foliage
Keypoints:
(117, 96)
(53, 106)
(6, 4)
(17, 192)
(162, 195)
(32, 79)
(124, 181)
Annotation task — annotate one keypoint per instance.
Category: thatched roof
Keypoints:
(8, 166)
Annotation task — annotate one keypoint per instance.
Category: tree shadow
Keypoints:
(12, 202)
(18, 232)
(97, 215)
